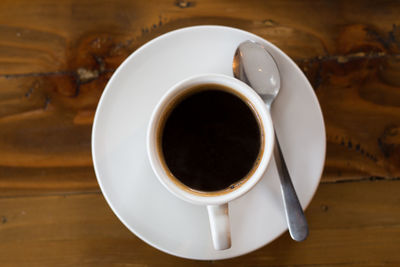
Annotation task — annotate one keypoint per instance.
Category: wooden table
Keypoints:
(57, 56)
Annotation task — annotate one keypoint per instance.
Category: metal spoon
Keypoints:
(253, 65)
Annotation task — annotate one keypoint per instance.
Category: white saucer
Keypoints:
(123, 170)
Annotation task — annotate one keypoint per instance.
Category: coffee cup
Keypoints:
(209, 141)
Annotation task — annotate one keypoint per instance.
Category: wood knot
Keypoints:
(269, 22)
(184, 4)
(86, 75)
(324, 208)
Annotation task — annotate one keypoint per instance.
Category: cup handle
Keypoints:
(220, 226)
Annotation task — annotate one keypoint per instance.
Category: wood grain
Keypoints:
(348, 227)
(56, 58)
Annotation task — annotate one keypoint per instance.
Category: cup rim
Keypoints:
(210, 198)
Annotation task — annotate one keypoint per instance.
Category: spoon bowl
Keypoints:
(263, 76)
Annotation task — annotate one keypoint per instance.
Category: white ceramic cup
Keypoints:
(216, 201)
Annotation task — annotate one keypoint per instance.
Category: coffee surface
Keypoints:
(211, 139)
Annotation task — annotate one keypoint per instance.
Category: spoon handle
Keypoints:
(297, 223)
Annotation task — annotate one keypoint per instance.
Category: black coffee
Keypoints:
(211, 139)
